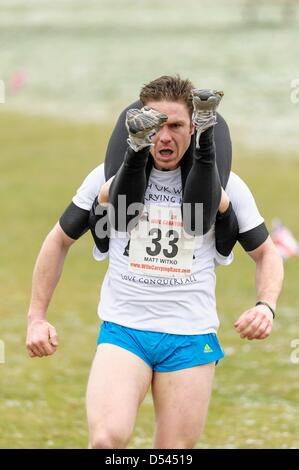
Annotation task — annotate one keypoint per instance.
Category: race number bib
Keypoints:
(159, 245)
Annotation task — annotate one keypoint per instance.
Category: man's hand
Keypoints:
(255, 323)
(42, 339)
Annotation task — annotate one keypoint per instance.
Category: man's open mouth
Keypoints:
(166, 152)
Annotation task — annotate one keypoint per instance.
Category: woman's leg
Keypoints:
(128, 187)
(202, 186)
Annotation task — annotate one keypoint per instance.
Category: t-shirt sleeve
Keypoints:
(74, 220)
(90, 188)
(252, 229)
(243, 203)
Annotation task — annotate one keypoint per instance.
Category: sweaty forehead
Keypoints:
(176, 111)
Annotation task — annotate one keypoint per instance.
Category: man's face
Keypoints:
(173, 139)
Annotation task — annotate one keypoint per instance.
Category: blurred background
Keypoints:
(67, 69)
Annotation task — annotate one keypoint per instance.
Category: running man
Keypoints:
(159, 318)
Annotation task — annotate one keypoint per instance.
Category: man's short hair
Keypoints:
(168, 88)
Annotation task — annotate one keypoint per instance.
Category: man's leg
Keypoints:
(181, 401)
(117, 385)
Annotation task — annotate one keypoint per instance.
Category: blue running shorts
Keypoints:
(163, 352)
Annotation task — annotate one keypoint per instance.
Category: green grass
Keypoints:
(106, 57)
(254, 403)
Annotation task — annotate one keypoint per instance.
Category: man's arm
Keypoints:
(42, 338)
(256, 323)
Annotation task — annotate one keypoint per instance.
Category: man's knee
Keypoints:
(109, 439)
(184, 442)
(185, 437)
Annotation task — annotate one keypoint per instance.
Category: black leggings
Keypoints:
(226, 226)
(202, 185)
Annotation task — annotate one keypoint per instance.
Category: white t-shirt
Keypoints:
(180, 305)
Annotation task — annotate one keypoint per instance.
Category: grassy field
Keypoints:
(108, 49)
(255, 397)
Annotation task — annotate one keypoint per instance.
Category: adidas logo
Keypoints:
(207, 348)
